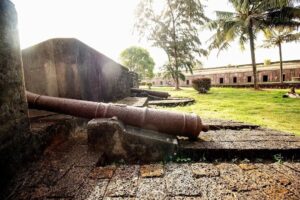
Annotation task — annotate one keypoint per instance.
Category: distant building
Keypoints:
(240, 75)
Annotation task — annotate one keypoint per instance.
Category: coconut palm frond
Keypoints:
(284, 14)
(224, 14)
(266, 44)
(278, 36)
(242, 41)
(292, 37)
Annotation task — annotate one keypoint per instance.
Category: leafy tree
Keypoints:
(174, 29)
(138, 60)
(250, 16)
(275, 37)
(240, 24)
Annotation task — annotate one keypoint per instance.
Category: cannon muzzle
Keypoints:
(172, 123)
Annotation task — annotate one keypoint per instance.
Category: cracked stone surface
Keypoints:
(69, 170)
(92, 189)
(124, 183)
(151, 188)
(180, 181)
(59, 175)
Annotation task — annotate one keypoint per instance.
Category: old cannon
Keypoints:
(162, 95)
(172, 123)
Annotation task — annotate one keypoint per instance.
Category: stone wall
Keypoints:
(69, 68)
(14, 124)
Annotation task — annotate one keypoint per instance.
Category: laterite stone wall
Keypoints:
(14, 124)
(66, 67)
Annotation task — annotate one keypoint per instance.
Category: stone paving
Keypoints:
(68, 170)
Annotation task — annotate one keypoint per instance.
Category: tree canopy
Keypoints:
(174, 29)
(250, 16)
(138, 60)
(277, 36)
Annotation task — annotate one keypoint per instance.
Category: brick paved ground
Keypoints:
(68, 171)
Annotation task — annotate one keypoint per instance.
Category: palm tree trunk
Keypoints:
(281, 67)
(252, 50)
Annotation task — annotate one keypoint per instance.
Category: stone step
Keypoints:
(218, 124)
(246, 143)
(135, 144)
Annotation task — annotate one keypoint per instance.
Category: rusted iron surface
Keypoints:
(173, 123)
(151, 93)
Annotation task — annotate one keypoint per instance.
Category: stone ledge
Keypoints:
(129, 144)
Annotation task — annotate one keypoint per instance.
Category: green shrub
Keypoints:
(202, 85)
(143, 83)
(267, 62)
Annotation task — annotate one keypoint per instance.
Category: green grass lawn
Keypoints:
(266, 108)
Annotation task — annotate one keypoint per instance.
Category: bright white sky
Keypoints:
(107, 25)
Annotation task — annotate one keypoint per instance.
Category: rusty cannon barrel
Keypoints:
(172, 123)
(152, 93)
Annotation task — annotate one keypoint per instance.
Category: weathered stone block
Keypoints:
(204, 170)
(154, 188)
(92, 190)
(127, 143)
(124, 182)
(152, 170)
(66, 67)
(180, 181)
(103, 172)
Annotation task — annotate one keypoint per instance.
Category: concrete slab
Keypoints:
(134, 101)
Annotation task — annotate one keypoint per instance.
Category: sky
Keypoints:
(107, 26)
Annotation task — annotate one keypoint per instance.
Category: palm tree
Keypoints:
(241, 24)
(275, 37)
(250, 16)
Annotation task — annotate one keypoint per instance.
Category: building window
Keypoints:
(283, 77)
(265, 78)
(234, 79)
(161, 83)
(221, 80)
(187, 82)
(249, 79)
